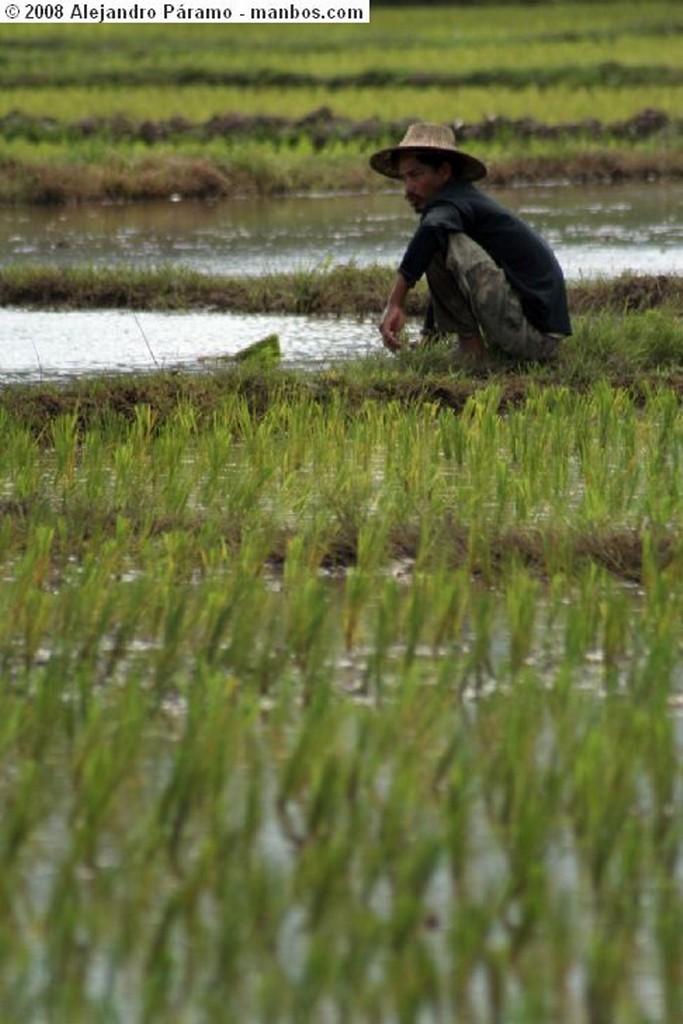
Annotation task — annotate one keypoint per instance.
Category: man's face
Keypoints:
(421, 182)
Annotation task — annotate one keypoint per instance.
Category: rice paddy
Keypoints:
(328, 709)
(342, 697)
(140, 111)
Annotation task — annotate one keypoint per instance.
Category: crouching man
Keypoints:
(492, 280)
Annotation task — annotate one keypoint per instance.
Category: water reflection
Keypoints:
(601, 230)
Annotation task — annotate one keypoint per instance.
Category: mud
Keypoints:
(619, 552)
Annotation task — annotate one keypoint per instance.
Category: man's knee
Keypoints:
(464, 253)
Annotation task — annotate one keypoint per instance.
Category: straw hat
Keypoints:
(436, 137)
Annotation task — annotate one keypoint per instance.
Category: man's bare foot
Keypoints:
(470, 355)
(473, 347)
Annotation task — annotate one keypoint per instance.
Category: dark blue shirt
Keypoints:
(527, 260)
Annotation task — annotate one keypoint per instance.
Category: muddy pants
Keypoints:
(471, 295)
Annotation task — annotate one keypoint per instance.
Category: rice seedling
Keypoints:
(365, 823)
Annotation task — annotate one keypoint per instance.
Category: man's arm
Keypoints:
(427, 240)
(393, 318)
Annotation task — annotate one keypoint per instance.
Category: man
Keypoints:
(493, 281)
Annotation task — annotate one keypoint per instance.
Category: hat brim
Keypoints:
(465, 167)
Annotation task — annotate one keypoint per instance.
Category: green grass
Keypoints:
(102, 172)
(341, 289)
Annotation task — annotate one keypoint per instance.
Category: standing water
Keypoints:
(595, 231)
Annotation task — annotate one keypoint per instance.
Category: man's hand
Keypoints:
(393, 318)
(390, 327)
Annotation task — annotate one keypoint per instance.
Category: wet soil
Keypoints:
(543, 553)
(36, 405)
(159, 176)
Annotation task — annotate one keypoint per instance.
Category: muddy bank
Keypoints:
(323, 127)
(544, 550)
(92, 399)
(164, 177)
(610, 74)
(342, 290)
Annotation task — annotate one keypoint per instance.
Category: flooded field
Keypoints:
(597, 232)
(594, 230)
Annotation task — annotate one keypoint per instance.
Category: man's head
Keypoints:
(423, 174)
(428, 142)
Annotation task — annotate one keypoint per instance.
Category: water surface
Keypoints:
(45, 344)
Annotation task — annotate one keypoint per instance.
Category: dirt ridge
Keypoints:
(323, 126)
(606, 73)
(343, 290)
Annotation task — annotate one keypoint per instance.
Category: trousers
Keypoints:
(471, 295)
